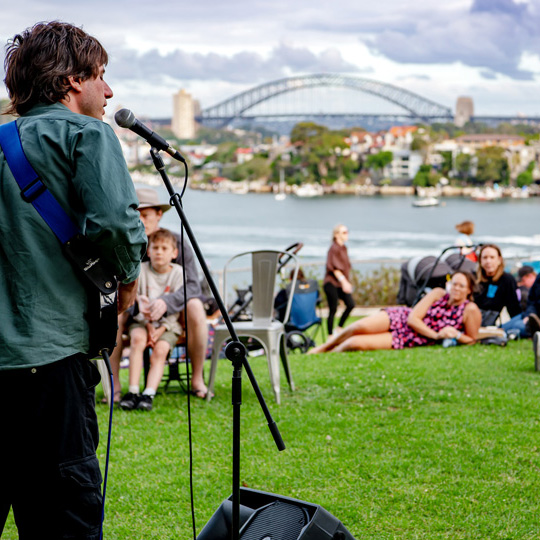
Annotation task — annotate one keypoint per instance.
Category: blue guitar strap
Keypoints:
(76, 246)
(33, 190)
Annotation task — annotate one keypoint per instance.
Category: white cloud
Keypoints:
(484, 48)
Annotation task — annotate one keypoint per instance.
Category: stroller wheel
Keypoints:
(298, 340)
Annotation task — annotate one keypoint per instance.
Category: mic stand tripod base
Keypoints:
(236, 350)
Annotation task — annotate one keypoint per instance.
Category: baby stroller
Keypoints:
(421, 274)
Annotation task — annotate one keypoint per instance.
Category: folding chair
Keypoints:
(304, 316)
(269, 332)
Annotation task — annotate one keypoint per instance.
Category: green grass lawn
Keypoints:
(427, 443)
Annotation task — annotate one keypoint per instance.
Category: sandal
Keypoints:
(200, 393)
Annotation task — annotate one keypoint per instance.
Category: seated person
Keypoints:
(496, 288)
(439, 315)
(526, 277)
(151, 211)
(157, 277)
(527, 323)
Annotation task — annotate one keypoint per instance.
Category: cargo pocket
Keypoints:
(81, 498)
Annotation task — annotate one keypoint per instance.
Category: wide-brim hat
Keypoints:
(149, 198)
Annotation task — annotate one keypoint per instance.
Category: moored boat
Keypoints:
(425, 202)
(309, 190)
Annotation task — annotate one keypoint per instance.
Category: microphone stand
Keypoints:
(234, 351)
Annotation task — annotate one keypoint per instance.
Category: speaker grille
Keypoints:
(276, 521)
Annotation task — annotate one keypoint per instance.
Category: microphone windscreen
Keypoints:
(125, 118)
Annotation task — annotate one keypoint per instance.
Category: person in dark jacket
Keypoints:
(496, 288)
(336, 282)
(527, 323)
(526, 277)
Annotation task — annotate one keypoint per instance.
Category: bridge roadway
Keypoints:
(218, 121)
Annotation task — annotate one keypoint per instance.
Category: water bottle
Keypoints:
(449, 342)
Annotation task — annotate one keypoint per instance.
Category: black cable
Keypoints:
(188, 378)
(107, 361)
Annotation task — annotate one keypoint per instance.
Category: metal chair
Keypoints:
(263, 328)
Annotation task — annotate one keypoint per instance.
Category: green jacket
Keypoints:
(43, 303)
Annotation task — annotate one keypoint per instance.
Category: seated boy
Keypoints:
(158, 276)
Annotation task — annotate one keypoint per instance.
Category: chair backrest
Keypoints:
(304, 304)
(303, 310)
(264, 265)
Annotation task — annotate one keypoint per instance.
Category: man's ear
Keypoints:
(75, 83)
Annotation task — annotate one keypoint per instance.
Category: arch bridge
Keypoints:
(241, 105)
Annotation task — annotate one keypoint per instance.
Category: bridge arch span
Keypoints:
(236, 106)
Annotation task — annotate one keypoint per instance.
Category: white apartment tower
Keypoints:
(464, 110)
(183, 120)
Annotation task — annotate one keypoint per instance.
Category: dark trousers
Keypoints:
(50, 474)
(333, 294)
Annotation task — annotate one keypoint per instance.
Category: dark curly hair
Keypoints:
(39, 61)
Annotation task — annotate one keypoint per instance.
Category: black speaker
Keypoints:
(266, 516)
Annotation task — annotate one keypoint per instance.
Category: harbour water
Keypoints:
(386, 227)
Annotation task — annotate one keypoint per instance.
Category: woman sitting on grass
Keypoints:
(437, 316)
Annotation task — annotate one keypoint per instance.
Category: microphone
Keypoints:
(126, 119)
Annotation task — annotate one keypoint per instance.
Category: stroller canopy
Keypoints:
(421, 273)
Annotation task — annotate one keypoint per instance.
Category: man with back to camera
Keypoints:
(51, 476)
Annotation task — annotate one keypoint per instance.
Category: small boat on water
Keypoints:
(425, 202)
(520, 193)
(486, 194)
(309, 190)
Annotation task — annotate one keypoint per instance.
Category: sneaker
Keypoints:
(536, 350)
(533, 324)
(513, 335)
(129, 401)
(145, 402)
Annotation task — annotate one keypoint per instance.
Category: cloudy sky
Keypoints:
(486, 49)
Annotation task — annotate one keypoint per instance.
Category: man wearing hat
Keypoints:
(151, 211)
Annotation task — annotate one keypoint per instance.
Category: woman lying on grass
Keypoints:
(437, 316)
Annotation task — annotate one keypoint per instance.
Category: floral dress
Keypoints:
(439, 315)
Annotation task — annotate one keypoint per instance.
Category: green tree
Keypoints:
(255, 168)
(377, 162)
(420, 142)
(321, 152)
(225, 152)
(446, 165)
(492, 165)
(426, 176)
(303, 132)
(526, 178)
(463, 166)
